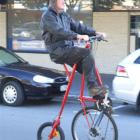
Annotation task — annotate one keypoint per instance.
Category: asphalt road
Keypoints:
(21, 123)
(75, 90)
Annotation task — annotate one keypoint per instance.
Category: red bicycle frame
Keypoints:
(81, 98)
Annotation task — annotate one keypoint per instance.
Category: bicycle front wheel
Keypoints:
(45, 130)
(95, 125)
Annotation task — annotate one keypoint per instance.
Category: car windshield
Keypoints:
(7, 58)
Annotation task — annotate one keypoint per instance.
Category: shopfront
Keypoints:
(24, 33)
(20, 30)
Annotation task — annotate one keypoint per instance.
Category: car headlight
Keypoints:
(42, 79)
(67, 78)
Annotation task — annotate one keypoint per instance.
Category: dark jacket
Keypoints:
(60, 30)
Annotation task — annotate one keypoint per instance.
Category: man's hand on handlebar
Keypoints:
(82, 37)
(100, 36)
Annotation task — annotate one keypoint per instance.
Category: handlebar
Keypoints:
(98, 38)
(87, 44)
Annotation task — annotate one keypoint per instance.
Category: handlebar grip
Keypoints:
(98, 38)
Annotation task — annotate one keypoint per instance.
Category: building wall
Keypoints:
(3, 29)
(108, 54)
(116, 26)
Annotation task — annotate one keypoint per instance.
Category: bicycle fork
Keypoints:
(57, 121)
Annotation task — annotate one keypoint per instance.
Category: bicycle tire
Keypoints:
(78, 123)
(46, 125)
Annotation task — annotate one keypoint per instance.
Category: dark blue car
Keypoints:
(19, 80)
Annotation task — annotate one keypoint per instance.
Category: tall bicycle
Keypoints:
(90, 123)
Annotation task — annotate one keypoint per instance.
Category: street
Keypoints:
(21, 123)
(102, 34)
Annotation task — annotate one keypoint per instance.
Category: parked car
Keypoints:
(19, 80)
(126, 84)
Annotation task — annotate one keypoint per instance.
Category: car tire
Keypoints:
(12, 94)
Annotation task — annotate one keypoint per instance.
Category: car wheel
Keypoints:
(12, 94)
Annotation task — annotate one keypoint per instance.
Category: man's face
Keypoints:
(60, 5)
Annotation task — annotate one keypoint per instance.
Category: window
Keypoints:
(24, 33)
(135, 24)
(3, 4)
(24, 30)
(81, 10)
(6, 58)
(29, 4)
(137, 61)
(135, 29)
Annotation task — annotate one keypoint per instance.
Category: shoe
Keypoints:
(99, 97)
(97, 91)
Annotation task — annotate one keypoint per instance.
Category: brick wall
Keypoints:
(116, 26)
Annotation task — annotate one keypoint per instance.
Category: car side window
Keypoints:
(137, 61)
(2, 63)
(7, 58)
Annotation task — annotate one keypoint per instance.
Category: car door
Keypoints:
(134, 76)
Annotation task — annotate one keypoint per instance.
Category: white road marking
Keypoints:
(114, 108)
(113, 99)
(118, 107)
(75, 111)
(115, 115)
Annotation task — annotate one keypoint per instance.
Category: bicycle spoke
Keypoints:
(45, 130)
(101, 126)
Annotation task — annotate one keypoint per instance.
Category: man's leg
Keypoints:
(85, 61)
(88, 66)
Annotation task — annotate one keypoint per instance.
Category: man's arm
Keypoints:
(81, 28)
(49, 23)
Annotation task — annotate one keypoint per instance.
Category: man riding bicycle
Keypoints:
(59, 33)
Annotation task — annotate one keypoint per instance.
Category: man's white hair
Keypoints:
(52, 4)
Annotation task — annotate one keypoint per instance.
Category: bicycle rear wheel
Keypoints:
(87, 128)
(45, 130)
